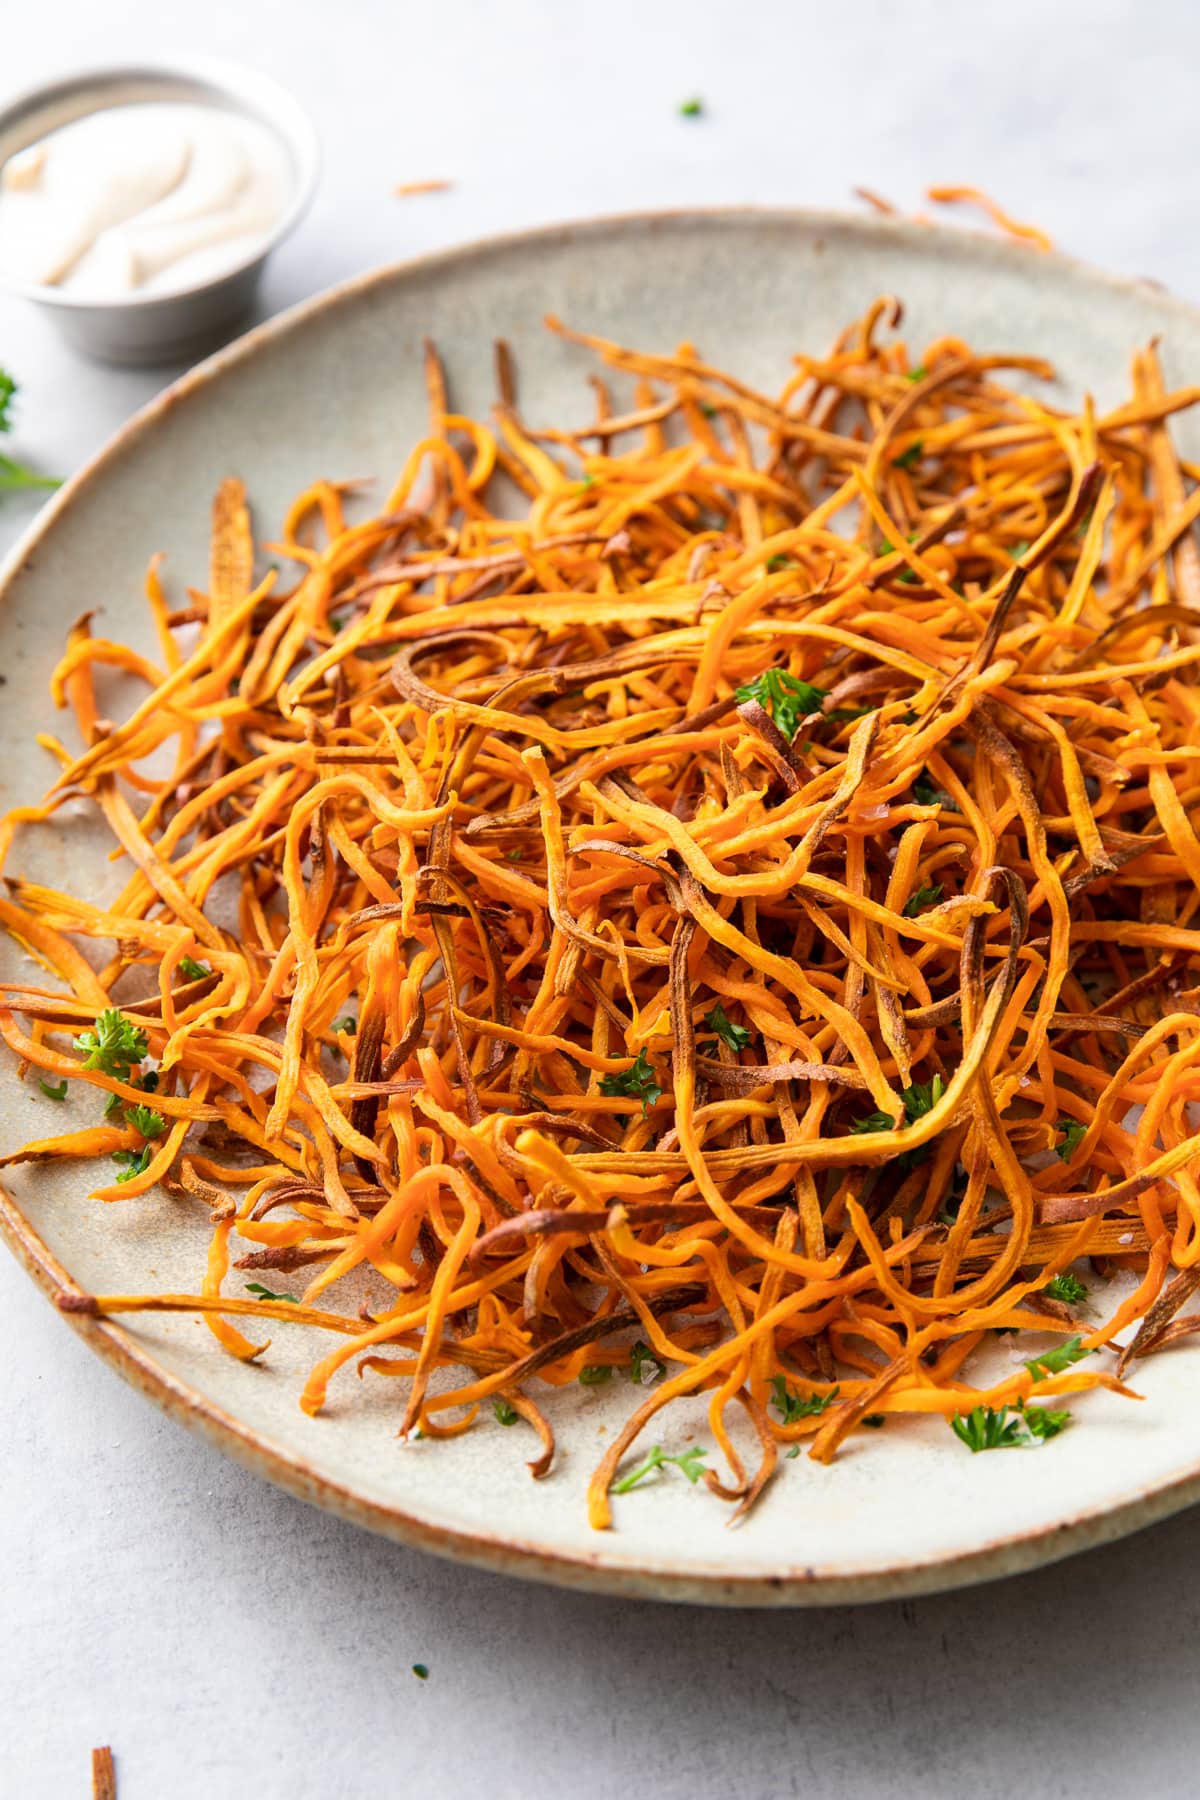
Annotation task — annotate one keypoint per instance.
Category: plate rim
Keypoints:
(291, 1470)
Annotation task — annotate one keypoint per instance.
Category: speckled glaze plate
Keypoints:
(335, 389)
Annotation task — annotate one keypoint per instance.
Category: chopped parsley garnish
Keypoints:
(506, 1413)
(643, 1359)
(595, 1374)
(13, 474)
(874, 1420)
(876, 1121)
(986, 1429)
(793, 1406)
(148, 1084)
(843, 715)
(1044, 1424)
(54, 1090)
(887, 548)
(265, 1293)
(780, 561)
(349, 1025)
(1066, 1287)
(909, 457)
(924, 896)
(735, 1036)
(114, 1046)
(1058, 1360)
(421, 1671)
(136, 1161)
(917, 374)
(691, 109)
(193, 970)
(639, 1081)
(922, 1097)
(1074, 1131)
(919, 1099)
(784, 696)
(710, 412)
(689, 1462)
(927, 793)
(983, 1428)
(151, 1124)
(796, 1406)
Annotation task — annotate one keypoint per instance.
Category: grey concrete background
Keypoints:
(226, 1639)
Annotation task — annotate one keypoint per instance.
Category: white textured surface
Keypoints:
(223, 1637)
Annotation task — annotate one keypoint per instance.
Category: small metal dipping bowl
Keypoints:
(165, 327)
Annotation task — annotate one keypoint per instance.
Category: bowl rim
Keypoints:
(217, 83)
(795, 1586)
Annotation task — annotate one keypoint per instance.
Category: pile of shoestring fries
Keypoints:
(710, 892)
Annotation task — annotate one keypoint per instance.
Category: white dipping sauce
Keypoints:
(145, 198)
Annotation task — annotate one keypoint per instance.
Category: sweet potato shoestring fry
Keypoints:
(957, 196)
(717, 917)
(952, 196)
(433, 185)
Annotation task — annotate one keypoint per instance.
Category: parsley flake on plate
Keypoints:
(793, 1406)
(136, 1161)
(151, 1124)
(1058, 1360)
(114, 1046)
(639, 1082)
(688, 1462)
(985, 1428)
(1066, 1287)
(785, 697)
(924, 897)
(643, 1363)
(1074, 1131)
(735, 1036)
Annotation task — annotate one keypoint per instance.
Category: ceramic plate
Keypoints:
(335, 389)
